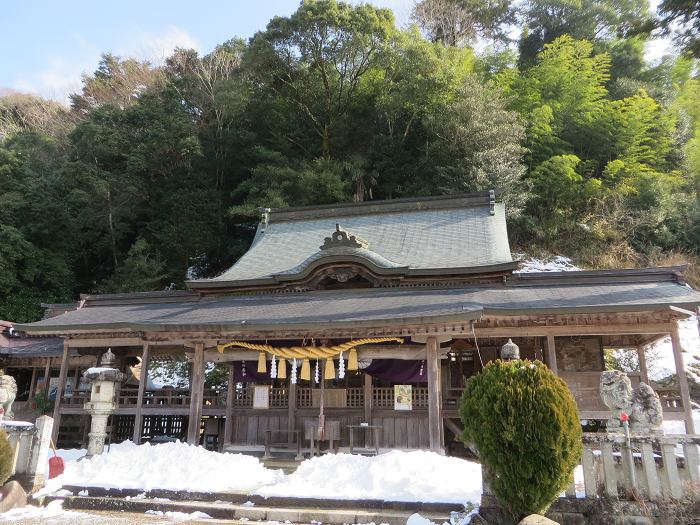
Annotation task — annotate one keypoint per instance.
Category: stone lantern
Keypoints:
(510, 351)
(102, 403)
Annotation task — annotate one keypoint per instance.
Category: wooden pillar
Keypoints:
(47, 375)
(642, 358)
(32, 384)
(230, 391)
(538, 349)
(367, 391)
(434, 396)
(367, 396)
(196, 394)
(292, 411)
(551, 354)
(143, 381)
(62, 376)
(682, 378)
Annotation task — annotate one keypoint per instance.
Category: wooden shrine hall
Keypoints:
(357, 324)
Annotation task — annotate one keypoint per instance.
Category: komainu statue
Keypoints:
(642, 406)
(8, 392)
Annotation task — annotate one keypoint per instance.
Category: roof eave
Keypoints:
(130, 328)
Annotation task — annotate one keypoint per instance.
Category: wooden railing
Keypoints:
(355, 397)
(650, 469)
(77, 398)
(671, 400)
(279, 397)
(382, 397)
(304, 398)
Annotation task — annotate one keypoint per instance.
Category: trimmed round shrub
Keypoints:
(6, 457)
(525, 425)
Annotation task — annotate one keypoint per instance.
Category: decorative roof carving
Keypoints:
(343, 239)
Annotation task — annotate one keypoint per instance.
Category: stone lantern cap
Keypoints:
(510, 351)
(105, 372)
(101, 373)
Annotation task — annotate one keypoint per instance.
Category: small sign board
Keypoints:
(403, 397)
(261, 396)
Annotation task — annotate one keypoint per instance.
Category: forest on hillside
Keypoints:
(154, 173)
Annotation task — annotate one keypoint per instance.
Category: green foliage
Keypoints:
(682, 18)
(6, 457)
(473, 143)
(42, 404)
(154, 174)
(524, 423)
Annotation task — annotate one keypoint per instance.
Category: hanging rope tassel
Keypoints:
(352, 360)
(317, 373)
(273, 368)
(329, 373)
(282, 369)
(293, 379)
(341, 366)
(262, 367)
(305, 370)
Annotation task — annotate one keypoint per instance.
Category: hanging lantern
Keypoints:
(341, 366)
(262, 367)
(293, 379)
(352, 360)
(317, 372)
(282, 369)
(329, 373)
(273, 367)
(305, 370)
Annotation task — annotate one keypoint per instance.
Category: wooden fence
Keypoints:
(652, 468)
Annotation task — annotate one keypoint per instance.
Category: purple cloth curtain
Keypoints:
(398, 370)
(251, 371)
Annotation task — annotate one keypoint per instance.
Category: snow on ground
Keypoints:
(171, 466)
(180, 515)
(40, 514)
(394, 476)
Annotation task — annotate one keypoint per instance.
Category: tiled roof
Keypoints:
(380, 306)
(31, 347)
(466, 231)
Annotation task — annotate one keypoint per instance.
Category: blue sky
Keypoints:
(48, 44)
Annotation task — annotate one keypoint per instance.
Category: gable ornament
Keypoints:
(343, 239)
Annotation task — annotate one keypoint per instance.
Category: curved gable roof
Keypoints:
(438, 233)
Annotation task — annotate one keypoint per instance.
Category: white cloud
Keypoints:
(61, 75)
(156, 47)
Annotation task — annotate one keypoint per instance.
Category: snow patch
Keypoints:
(665, 365)
(40, 514)
(170, 466)
(180, 515)
(394, 476)
(555, 264)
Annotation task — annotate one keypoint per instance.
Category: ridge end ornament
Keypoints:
(343, 239)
